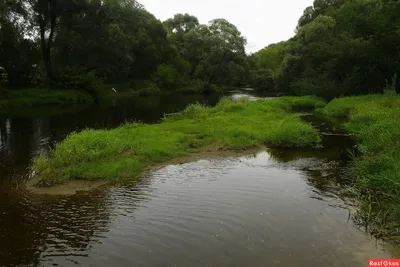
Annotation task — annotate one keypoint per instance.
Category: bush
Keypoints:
(75, 77)
(390, 88)
(146, 88)
(263, 80)
(192, 87)
(168, 77)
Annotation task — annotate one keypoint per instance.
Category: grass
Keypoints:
(123, 154)
(376, 165)
(29, 98)
(290, 103)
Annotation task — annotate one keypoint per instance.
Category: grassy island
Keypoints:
(123, 154)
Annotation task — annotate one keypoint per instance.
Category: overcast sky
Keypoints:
(262, 22)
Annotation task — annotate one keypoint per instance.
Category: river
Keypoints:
(272, 208)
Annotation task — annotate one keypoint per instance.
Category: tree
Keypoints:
(45, 14)
(265, 65)
(181, 24)
(216, 52)
(341, 47)
(118, 40)
(18, 54)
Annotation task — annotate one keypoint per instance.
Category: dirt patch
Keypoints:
(214, 151)
(69, 188)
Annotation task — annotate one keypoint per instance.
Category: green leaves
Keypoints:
(341, 48)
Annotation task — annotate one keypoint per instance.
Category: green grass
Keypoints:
(123, 154)
(376, 165)
(290, 103)
(28, 98)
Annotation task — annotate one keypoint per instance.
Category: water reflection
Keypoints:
(38, 229)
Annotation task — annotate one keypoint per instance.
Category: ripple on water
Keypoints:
(251, 211)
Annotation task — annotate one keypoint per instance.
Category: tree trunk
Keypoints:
(47, 44)
(1, 88)
(45, 49)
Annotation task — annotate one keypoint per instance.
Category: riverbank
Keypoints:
(123, 154)
(376, 163)
(19, 102)
(34, 98)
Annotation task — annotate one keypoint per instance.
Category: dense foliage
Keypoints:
(84, 43)
(341, 47)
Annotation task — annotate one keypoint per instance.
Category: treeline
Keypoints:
(341, 47)
(86, 43)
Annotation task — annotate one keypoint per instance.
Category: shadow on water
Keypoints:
(328, 163)
(35, 228)
(274, 208)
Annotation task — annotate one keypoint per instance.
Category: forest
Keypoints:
(340, 47)
(68, 44)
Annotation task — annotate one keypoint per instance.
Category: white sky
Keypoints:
(262, 22)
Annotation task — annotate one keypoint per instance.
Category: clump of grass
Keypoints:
(122, 154)
(390, 88)
(376, 170)
(301, 103)
(27, 98)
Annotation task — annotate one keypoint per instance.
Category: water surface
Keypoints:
(273, 208)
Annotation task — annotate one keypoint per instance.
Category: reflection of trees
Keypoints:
(37, 227)
(22, 138)
(29, 226)
(34, 229)
(5, 140)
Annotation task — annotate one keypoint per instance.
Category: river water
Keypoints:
(272, 208)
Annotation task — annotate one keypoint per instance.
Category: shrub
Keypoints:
(74, 77)
(146, 88)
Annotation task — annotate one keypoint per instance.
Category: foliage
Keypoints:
(376, 166)
(76, 78)
(340, 48)
(146, 88)
(18, 54)
(180, 25)
(124, 153)
(217, 53)
(390, 88)
(81, 44)
(264, 66)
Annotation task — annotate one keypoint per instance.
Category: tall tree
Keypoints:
(342, 47)
(18, 53)
(46, 14)
(217, 52)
